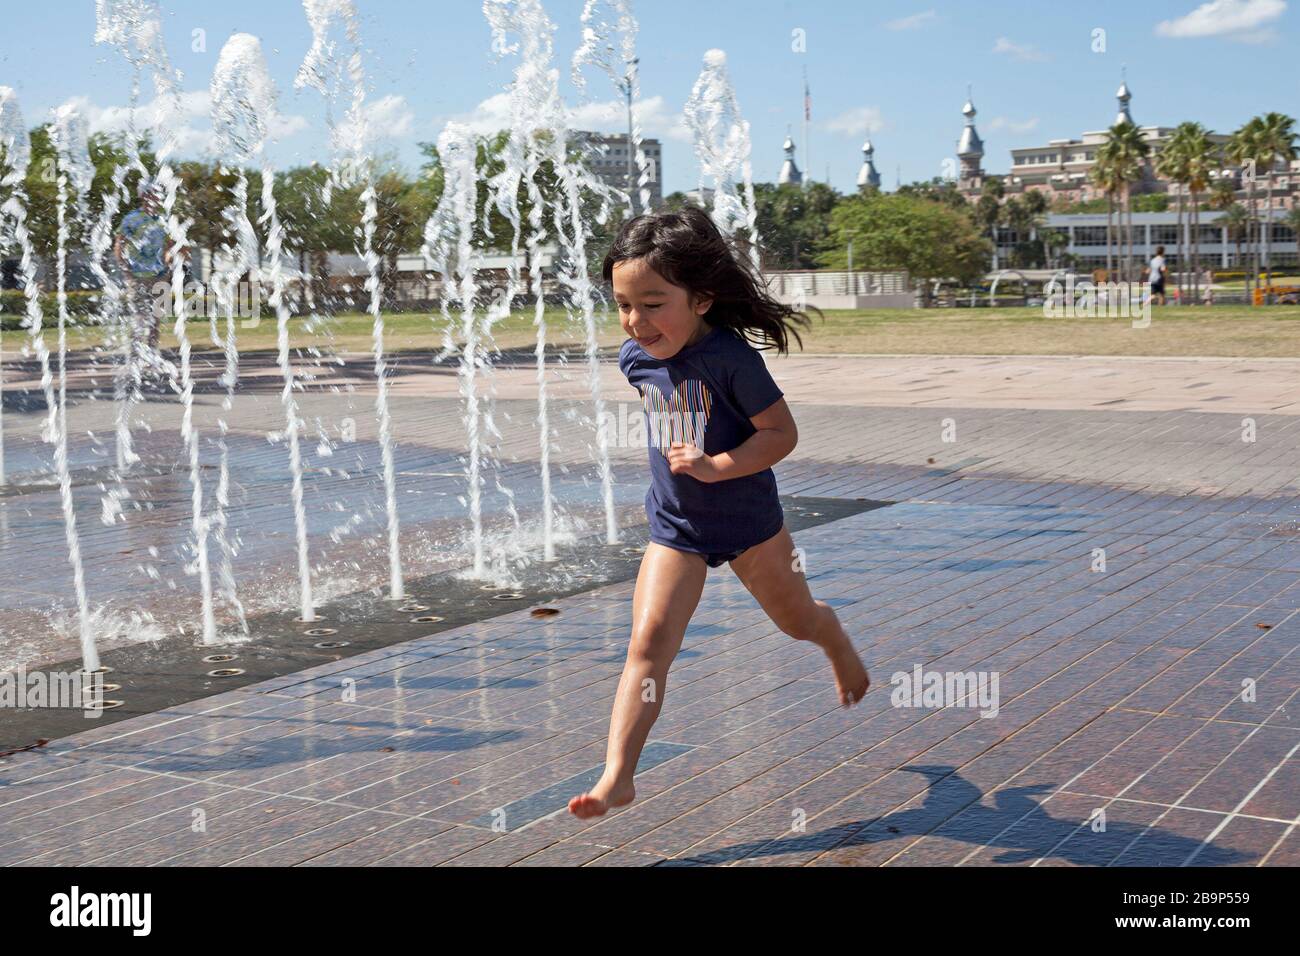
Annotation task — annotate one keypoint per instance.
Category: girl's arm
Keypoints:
(775, 438)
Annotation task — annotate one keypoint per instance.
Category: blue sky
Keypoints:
(898, 69)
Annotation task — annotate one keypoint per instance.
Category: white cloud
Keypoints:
(188, 123)
(914, 22)
(1024, 52)
(607, 116)
(859, 120)
(388, 117)
(1012, 126)
(1236, 19)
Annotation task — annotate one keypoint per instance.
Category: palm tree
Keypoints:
(1223, 191)
(1053, 241)
(1103, 178)
(1036, 207)
(1199, 153)
(1106, 180)
(1292, 221)
(1276, 143)
(1242, 151)
(1128, 152)
(1172, 164)
(988, 212)
(1236, 220)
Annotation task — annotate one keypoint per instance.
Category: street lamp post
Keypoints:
(626, 85)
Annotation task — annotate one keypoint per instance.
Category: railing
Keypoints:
(784, 284)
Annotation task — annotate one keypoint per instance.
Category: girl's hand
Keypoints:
(686, 459)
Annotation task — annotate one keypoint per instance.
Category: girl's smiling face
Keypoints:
(663, 318)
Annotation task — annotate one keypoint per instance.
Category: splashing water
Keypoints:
(239, 90)
(321, 71)
(534, 112)
(597, 49)
(535, 87)
(241, 78)
(17, 155)
(545, 193)
(74, 169)
(722, 146)
(450, 252)
(135, 28)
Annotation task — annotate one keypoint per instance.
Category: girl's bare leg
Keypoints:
(768, 571)
(668, 588)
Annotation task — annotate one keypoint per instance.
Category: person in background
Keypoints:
(141, 250)
(1158, 274)
(1207, 287)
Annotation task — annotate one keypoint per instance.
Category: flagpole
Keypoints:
(807, 115)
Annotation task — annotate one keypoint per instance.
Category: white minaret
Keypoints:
(867, 175)
(970, 149)
(789, 171)
(1123, 95)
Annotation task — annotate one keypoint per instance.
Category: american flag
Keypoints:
(807, 98)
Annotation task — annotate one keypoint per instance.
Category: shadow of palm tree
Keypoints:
(1017, 824)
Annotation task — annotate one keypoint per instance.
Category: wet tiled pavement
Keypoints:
(1146, 713)
(1121, 693)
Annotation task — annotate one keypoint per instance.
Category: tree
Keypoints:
(1104, 176)
(204, 195)
(1236, 221)
(1243, 150)
(793, 223)
(313, 227)
(1053, 241)
(1172, 163)
(1186, 159)
(1018, 215)
(1292, 222)
(937, 189)
(927, 238)
(988, 211)
(1127, 152)
(1223, 193)
(1200, 156)
(1275, 143)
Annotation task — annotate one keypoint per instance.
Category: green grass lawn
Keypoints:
(1187, 331)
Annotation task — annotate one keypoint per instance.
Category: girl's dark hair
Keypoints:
(689, 250)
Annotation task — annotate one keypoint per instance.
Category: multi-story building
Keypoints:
(1085, 235)
(1061, 167)
(613, 159)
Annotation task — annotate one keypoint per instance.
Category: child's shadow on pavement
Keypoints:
(1016, 823)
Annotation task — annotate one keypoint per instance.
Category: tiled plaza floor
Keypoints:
(1146, 713)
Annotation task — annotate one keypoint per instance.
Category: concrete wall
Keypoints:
(897, 300)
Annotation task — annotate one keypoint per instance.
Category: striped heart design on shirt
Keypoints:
(683, 416)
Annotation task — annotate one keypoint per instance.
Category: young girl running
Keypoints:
(717, 423)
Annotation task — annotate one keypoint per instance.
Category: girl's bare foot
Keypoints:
(851, 678)
(604, 796)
